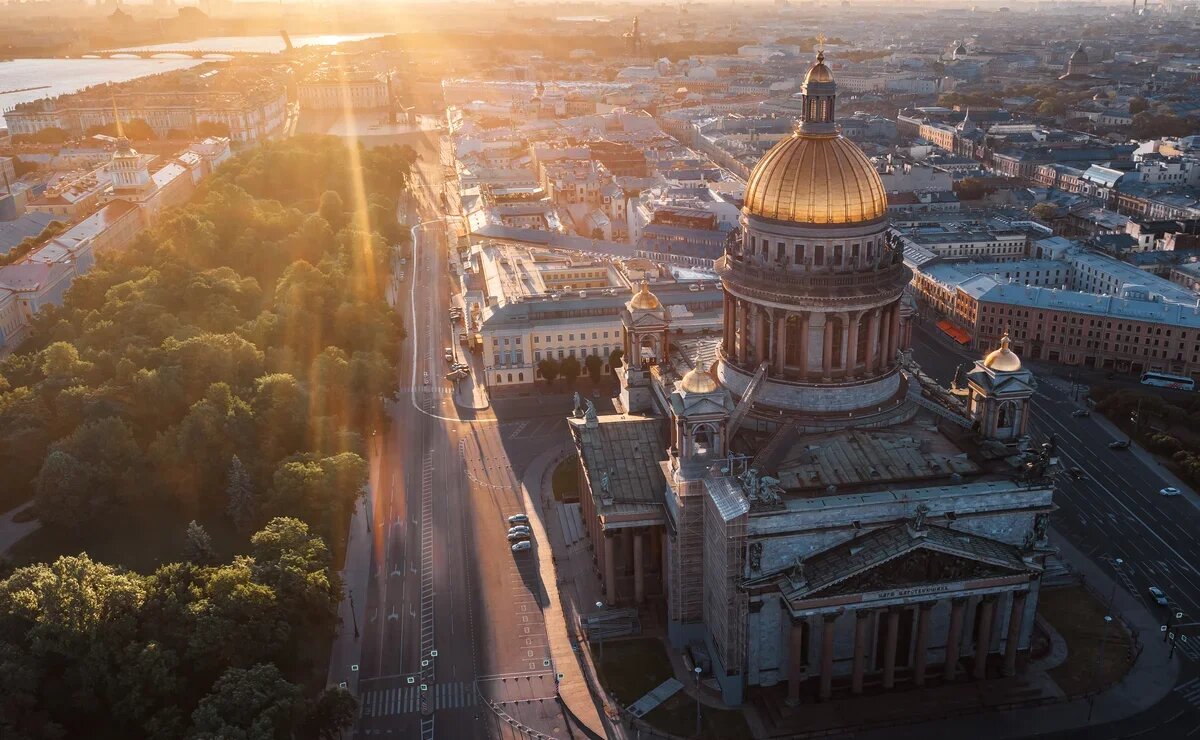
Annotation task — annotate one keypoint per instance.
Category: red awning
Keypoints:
(956, 333)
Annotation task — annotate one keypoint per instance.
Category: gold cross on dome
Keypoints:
(821, 41)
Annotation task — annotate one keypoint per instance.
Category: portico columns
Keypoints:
(827, 350)
(795, 660)
(983, 641)
(923, 613)
(885, 341)
(827, 634)
(889, 650)
(610, 571)
(780, 348)
(895, 335)
(873, 341)
(639, 590)
(743, 319)
(954, 637)
(862, 619)
(1012, 641)
(852, 344)
(730, 323)
(803, 345)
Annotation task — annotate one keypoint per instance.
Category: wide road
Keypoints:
(1115, 515)
(454, 642)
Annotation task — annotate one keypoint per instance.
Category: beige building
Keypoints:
(333, 88)
(530, 304)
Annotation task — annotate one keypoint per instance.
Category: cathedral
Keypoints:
(812, 515)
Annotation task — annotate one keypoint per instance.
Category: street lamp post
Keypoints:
(600, 605)
(1099, 661)
(1112, 596)
(697, 670)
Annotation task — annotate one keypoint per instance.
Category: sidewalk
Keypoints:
(11, 531)
(1147, 682)
(346, 652)
(573, 687)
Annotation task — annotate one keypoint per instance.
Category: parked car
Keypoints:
(1077, 473)
(1169, 491)
(522, 546)
(1119, 444)
(518, 519)
(520, 529)
(1081, 412)
(449, 354)
(1159, 597)
(517, 536)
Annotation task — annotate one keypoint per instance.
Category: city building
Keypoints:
(251, 111)
(332, 87)
(529, 304)
(811, 516)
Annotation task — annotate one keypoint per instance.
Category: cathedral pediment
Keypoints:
(647, 320)
(900, 557)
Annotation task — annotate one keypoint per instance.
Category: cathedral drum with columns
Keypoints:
(811, 515)
(813, 291)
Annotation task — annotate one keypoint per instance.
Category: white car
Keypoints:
(522, 546)
(1159, 597)
(1169, 491)
(521, 529)
(518, 519)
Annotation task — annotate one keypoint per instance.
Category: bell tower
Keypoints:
(644, 325)
(999, 391)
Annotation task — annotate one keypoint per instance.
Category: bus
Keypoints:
(1167, 380)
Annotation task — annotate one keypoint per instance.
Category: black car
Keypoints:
(1119, 444)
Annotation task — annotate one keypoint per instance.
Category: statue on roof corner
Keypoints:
(590, 413)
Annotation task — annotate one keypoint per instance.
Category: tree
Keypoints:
(549, 368)
(204, 129)
(330, 715)
(320, 490)
(594, 366)
(294, 562)
(332, 209)
(198, 547)
(1044, 211)
(64, 495)
(243, 503)
(1138, 105)
(247, 704)
(615, 359)
(570, 369)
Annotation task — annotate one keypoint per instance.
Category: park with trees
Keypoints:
(196, 418)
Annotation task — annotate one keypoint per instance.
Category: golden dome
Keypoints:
(819, 72)
(816, 179)
(1003, 360)
(644, 299)
(696, 381)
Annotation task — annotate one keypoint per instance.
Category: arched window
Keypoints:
(521, 377)
(498, 379)
(510, 377)
(1006, 415)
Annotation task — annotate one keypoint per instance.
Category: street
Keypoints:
(453, 618)
(1116, 516)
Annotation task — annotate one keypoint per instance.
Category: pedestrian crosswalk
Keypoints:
(1190, 691)
(407, 699)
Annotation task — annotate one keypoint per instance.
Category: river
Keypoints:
(23, 80)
